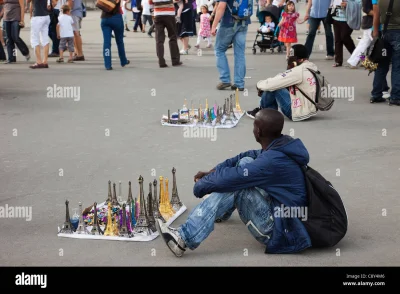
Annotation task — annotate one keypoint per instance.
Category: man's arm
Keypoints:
(231, 179)
(288, 78)
(308, 9)
(58, 30)
(377, 20)
(218, 15)
(232, 162)
(22, 5)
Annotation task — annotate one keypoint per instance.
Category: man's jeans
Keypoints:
(279, 97)
(226, 36)
(314, 24)
(253, 205)
(116, 24)
(392, 42)
(53, 31)
(13, 38)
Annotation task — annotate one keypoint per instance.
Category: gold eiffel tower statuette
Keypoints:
(109, 199)
(163, 207)
(109, 226)
(167, 200)
(82, 229)
(114, 200)
(142, 222)
(115, 225)
(175, 201)
(150, 213)
(237, 106)
(156, 204)
(96, 230)
(67, 228)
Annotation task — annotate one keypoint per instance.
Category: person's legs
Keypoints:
(281, 97)
(223, 39)
(239, 45)
(53, 33)
(77, 38)
(348, 42)
(313, 22)
(361, 47)
(10, 42)
(159, 22)
(393, 38)
(337, 27)
(106, 29)
(44, 37)
(117, 25)
(35, 37)
(330, 51)
(170, 24)
(380, 83)
(137, 18)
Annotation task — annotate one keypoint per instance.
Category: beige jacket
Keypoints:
(296, 78)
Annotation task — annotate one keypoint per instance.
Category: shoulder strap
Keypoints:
(388, 15)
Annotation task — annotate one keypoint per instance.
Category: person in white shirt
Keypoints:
(124, 16)
(65, 33)
(146, 15)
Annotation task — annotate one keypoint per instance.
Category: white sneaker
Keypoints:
(329, 57)
(386, 95)
(184, 52)
(171, 237)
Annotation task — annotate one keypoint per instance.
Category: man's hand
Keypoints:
(307, 16)
(201, 174)
(58, 37)
(375, 34)
(214, 31)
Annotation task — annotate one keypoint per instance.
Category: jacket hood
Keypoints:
(294, 148)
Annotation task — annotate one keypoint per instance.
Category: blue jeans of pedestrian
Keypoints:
(226, 36)
(13, 39)
(116, 24)
(53, 31)
(138, 21)
(392, 43)
(281, 98)
(314, 24)
(254, 207)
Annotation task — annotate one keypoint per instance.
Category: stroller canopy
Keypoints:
(272, 11)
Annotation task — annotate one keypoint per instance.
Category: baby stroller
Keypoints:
(269, 41)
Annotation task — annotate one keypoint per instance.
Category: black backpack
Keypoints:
(327, 218)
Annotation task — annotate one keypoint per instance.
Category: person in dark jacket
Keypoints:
(259, 184)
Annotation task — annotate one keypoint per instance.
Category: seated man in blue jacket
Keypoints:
(257, 183)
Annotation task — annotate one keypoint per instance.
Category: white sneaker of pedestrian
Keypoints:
(386, 95)
(184, 52)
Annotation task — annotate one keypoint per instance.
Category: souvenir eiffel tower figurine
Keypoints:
(209, 117)
(228, 120)
(82, 226)
(109, 199)
(67, 228)
(219, 117)
(142, 222)
(114, 200)
(237, 106)
(150, 213)
(133, 214)
(168, 201)
(96, 230)
(130, 197)
(109, 231)
(164, 207)
(175, 201)
(120, 192)
(156, 204)
(231, 113)
(124, 228)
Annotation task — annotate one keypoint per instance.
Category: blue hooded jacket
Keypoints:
(277, 171)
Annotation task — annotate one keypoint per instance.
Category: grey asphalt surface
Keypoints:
(355, 145)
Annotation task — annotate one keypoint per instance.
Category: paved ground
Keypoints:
(355, 145)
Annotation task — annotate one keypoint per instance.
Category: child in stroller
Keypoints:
(268, 30)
